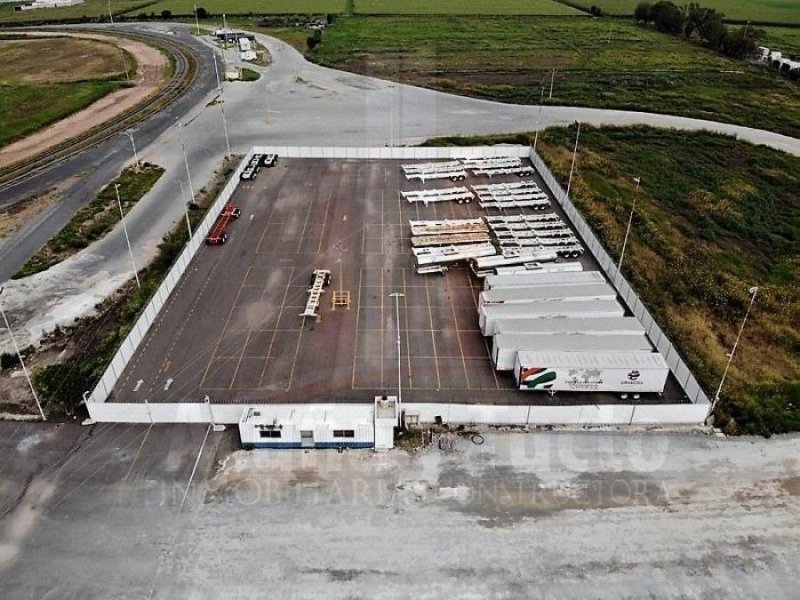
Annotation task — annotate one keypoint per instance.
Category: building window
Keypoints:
(344, 433)
(269, 433)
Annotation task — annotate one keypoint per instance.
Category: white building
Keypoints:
(286, 426)
(48, 4)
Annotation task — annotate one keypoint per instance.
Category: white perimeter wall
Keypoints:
(103, 411)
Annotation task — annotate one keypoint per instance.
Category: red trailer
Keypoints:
(219, 231)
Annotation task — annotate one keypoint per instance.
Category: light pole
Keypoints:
(129, 133)
(21, 362)
(196, 20)
(538, 120)
(110, 15)
(127, 239)
(638, 180)
(397, 296)
(186, 210)
(753, 292)
(552, 81)
(574, 155)
(186, 160)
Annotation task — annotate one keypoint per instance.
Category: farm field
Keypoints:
(597, 63)
(784, 39)
(90, 9)
(714, 216)
(243, 7)
(462, 7)
(34, 94)
(764, 11)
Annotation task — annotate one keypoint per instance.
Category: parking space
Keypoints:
(232, 330)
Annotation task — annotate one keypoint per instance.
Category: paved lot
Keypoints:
(121, 511)
(232, 330)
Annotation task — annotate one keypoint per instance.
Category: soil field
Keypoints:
(89, 9)
(755, 11)
(462, 7)
(36, 92)
(591, 62)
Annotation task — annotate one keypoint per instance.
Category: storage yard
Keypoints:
(292, 302)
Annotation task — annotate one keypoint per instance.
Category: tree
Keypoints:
(643, 12)
(166, 14)
(667, 17)
(202, 13)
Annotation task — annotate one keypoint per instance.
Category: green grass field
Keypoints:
(90, 9)
(764, 11)
(34, 94)
(462, 7)
(783, 39)
(244, 7)
(509, 59)
(714, 216)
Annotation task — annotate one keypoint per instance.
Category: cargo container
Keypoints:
(599, 326)
(505, 346)
(532, 278)
(526, 295)
(534, 267)
(490, 314)
(628, 373)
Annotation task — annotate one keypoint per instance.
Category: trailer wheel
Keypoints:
(454, 178)
(477, 439)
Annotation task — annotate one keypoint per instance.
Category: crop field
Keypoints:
(764, 11)
(89, 9)
(714, 217)
(244, 7)
(34, 93)
(598, 63)
(783, 39)
(463, 7)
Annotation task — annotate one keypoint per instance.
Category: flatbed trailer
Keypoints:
(460, 195)
(446, 239)
(521, 171)
(448, 226)
(493, 162)
(626, 373)
(439, 255)
(452, 170)
(218, 234)
(537, 293)
(511, 257)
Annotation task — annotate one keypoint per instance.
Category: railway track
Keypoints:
(186, 62)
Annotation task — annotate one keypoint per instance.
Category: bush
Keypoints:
(202, 13)
(8, 360)
(643, 12)
(166, 14)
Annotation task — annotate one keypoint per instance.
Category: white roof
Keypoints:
(308, 414)
(548, 342)
(550, 278)
(608, 360)
(553, 308)
(569, 324)
(548, 292)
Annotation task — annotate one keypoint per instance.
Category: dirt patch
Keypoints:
(77, 60)
(17, 215)
(149, 78)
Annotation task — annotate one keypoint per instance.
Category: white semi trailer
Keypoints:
(526, 295)
(626, 373)
(596, 326)
(490, 314)
(505, 346)
(533, 278)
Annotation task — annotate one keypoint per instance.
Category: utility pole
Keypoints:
(628, 229)
(186, 209)
(186, 160)
(127, 239)
(753, 293)
(110, 15)
(21, 362)
(538, 120)
(196, 20)
(552, 81)
(574, 156)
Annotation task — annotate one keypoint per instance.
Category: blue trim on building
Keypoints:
(317, 445)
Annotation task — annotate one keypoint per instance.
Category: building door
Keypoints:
(306, 439)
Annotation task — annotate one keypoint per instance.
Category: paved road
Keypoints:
(294, 103)
(120, 511)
